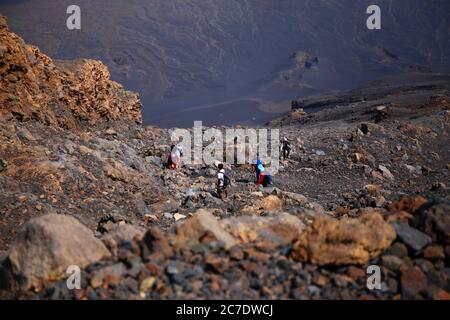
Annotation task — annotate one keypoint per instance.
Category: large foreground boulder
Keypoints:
(336, 242)
(49, 245)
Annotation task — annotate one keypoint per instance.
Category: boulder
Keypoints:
(265, 232)
(156, 243)
(122, 233)
(328, 241)
(408, 204)
(48, 245)
(294, 199)
(271, 204)
(433, 218)
(201, 226)
(385, 172)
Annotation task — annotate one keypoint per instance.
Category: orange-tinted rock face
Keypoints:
(58, 93)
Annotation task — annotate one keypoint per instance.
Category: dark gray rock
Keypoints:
(412, 237)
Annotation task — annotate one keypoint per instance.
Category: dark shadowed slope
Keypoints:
(206, 55)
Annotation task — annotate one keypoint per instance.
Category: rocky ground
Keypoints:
(83, 183)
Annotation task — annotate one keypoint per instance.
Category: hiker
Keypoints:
(223, 181)
(256, 164)
(285, 148)
(174, 158)
(265, 179)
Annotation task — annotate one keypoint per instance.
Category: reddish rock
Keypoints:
(202, 224)
(408, 204)
(442, 295)
(320, 280)
(434, 252)
(356, 273)
(413, 281)
(217, 264)
(156, 243)
(348, 241)
(59, 93)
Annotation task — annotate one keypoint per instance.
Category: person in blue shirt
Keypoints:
(264, 177)
(256, 165)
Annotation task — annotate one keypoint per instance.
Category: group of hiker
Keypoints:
(262, 176)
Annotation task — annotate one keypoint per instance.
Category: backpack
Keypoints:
(226, 180)
(286, 145)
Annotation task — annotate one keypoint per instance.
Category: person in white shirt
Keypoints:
(174, 159)
(222, 183)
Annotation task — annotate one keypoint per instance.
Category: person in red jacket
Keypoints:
(264, 178)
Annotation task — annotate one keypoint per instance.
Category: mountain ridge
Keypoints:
(181, 54)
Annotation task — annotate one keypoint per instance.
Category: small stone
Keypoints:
(25, 135)
(150, 217)
(178, 216)
(111, 132)
(372, 188)
(356, 273)
(236, 253)
(391, 262)
(380, 201)
(392, 285)
(398, 249)
(218, 264)
(434, 252)
(320, 153)
(168, 215)
(413, 281)
(146, 285)
(319, 280)
(413, 238)
(341, 281)
(171, 269)
(386, 173)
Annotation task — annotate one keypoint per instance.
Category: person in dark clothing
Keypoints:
(285, 148)
(256, 165)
